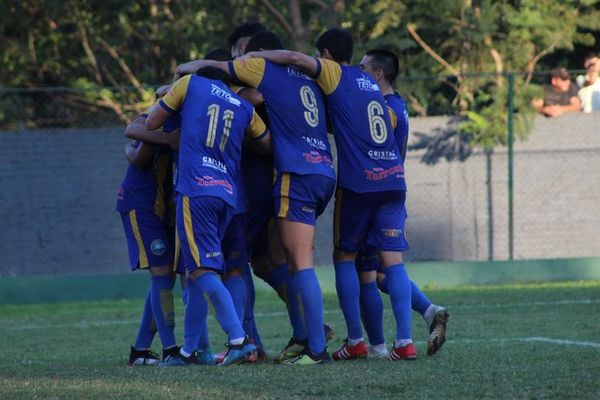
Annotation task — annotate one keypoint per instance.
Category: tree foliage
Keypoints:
(466, 47)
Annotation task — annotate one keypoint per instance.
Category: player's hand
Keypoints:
(161, 91)
(189, 67)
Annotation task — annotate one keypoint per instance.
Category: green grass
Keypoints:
(500, 346)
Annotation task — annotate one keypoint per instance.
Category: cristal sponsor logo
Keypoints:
(377, 174)
(308, 209)
(392, 232)
(366, 84)
(209, 181)
(224, 94)
(214, 164)
(314, 142)
(158, 247)
(213, 254)
(382, 155)
(295, 72)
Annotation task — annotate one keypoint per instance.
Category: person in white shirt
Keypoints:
(589, 94)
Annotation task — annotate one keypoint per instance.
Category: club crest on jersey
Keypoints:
(224, 94)
(158, 247)
(365, 84)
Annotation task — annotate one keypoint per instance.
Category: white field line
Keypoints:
(95, 324)
(562, 342)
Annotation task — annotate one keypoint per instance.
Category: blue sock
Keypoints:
(196, 311)
(286, 288)
(420, 303)
(249, 324)
(236, 286)
(399, 286)
(372, 312)
(348, 291)
(383, 285)
(163, 308)
(147, 326)
(311, 299)
(210, 284)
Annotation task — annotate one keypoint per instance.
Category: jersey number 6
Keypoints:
(376, 122)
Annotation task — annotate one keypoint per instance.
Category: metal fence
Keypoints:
(529, 196)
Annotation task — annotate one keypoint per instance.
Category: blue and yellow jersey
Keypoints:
(397, 104)
(368, 156)
(213, 123)
(148, 188)
(297, 119)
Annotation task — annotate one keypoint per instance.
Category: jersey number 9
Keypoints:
(213, 114)
(309, 101)
(376, 122)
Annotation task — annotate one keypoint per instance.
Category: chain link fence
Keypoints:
(493, 181)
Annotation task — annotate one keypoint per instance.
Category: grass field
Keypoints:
(518, 341)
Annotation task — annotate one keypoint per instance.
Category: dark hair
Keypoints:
(218, 55)
(386, 61)
(266, 40)
(246, 29)
(561, 73)
(214, 74)
(338, 42)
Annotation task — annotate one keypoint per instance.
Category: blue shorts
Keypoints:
(367, 260)
(201, 225)
(234, 243)
(147, 239)
(302, 198)
(375, 218)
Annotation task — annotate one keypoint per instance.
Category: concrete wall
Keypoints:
(57, 195)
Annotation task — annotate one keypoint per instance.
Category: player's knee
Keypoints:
(161, 270)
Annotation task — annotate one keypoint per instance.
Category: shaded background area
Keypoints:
(58, 191)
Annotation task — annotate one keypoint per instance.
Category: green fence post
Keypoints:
(511, 94)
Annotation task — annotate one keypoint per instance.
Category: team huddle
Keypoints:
(229, 171)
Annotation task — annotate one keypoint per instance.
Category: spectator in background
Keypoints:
(589, 94)
(560, 96)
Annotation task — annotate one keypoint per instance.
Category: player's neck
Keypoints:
(386, 88)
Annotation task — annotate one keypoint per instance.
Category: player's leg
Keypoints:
(371, 304)
(387, 234)
(235, 254)
(200, 224)
(140, 353)
(350, 227)
(301, 199)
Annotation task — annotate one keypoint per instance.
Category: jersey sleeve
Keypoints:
(329, 74)
(393, 117)
(174, 98)
(257, 128)
(249, 72)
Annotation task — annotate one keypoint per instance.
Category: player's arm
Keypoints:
(251, 95)
(258, 136)
(307, 64)
(193, 66)
(170, 103)
(139, 154)
(137, 130)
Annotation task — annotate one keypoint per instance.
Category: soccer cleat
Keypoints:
(348, 352)
(237, 353)
(173, 358)
(293, 349)
(437, 330)
(258, 355)
(407, 352)
(206, 357)
(142, 357)
(378, 352)
(307, 358)
(219, 357)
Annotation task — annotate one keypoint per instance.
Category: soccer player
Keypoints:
(142, 203)
(370, 179)
(303, 186)
(241, 36)
(383, 66)
(214, 121)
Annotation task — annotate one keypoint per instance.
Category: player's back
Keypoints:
(213, 122)
(368, 157)
(397, 104)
